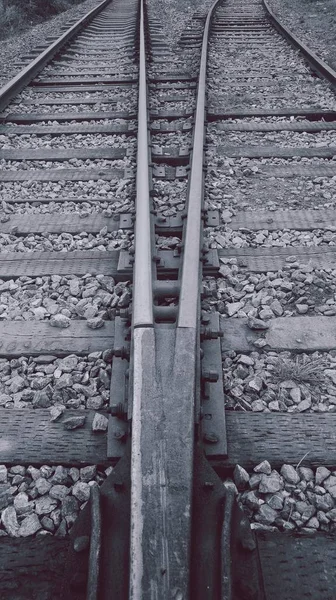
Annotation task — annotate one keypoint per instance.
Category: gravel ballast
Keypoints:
(45, 500)
(74, 382)
(291, 499)
(280, 381)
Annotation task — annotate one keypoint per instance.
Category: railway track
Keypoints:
(145, 285)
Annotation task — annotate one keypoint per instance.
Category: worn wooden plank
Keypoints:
(29, 437)
(19, 338)
(62, 222)
(83, 88)
(68, 129)
(262, 260)
(287, 170)
(71, 101)
(310, 126)
(302, 220)
(62, 153)
(62, 175)
(78, 262)
(88, 115)
(297, 566)
(273, 151)
(280, 438)
(284, 333)
(82, 80)
(310, 113)
(32, 567)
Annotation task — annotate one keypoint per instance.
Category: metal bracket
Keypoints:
(118, 428)
(114, 541)
(212, 218)
(212, 425)
(171, 156)
(170, 173)
(170, 127)
(169, 263)
(126, 221)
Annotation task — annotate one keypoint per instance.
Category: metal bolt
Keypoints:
(208, 485)
(210, 375)
(120, 435)
(118, 486)
(81, 543)
(210, 438)
(118, 410)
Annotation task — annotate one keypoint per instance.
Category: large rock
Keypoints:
(3, 474)
(45, 505)
(263, 467)
(60, 476)
(29, 526)
(290, 474)
(60, 321)
(321, 474)
(10, 522)
(255, 384)
(22, 504)
(59, 492)
(74, 422)
(330, 485)
(266, 514)
(251, 500)
(81, 491)
(241, 477)
(99, 423)
(306, 473)
(269, 484)
(324, 503)
(88, 473)
(42, 485)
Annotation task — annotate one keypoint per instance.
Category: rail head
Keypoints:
(143, 264)
(319, 65)
(189, 296)
(27, 74)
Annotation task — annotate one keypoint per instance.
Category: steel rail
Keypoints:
(188, 305)
(143, 272)
(27, 74)
(318, 64)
